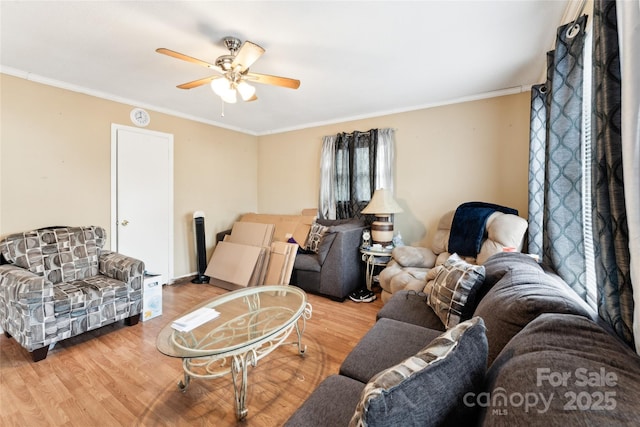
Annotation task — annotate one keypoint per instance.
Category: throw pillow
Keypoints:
(315, 237)
(428, 389)
(452, 294)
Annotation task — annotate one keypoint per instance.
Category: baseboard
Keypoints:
(183, 279)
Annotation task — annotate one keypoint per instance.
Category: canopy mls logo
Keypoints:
(575, 399)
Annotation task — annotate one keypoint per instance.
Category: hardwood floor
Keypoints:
(115, 376)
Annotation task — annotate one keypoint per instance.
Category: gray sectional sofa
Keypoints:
(532, 354)
(336, 269)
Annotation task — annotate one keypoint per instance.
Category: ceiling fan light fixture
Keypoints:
(220, 86)
(246, 90)
(229, 96)
(224, 89)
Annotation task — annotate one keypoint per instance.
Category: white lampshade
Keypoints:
(382, 203)
(246, 90)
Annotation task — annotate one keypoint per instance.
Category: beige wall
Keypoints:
(444, 156)
(55, 163)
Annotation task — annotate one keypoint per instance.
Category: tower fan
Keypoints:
(201, 250)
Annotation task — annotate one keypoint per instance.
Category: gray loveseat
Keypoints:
(58, 282)
(337, 269)
(532, 354)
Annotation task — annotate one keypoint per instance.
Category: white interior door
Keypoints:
(142, 206)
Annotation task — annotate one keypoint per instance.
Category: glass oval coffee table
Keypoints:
(252, 322)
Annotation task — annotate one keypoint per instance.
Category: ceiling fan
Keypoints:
(234, 71)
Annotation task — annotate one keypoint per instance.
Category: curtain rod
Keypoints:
(361, 131)
(573, 28)
(579, 12)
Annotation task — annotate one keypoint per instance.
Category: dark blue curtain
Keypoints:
(556, 175)
(611, 234)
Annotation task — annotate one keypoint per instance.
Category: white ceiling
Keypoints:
(354, 59)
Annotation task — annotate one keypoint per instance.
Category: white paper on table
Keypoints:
(194, 319)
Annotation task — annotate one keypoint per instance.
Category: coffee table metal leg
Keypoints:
(183, 384)
(241, 363)
(300, 330)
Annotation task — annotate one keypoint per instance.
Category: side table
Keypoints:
(374, 257)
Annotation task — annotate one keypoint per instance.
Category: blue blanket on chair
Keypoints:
(468, 226)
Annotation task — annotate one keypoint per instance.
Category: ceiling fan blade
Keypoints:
(253, 98)
(248, 54)
(273, 80)
(196, 83)
(187, 58)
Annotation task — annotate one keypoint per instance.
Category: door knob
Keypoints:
(124, 222)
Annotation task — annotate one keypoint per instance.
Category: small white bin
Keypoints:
(152, 296)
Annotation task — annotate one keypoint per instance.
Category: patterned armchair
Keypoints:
(58, 283)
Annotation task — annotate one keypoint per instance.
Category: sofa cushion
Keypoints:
(585, 376)
(325, 246)
(394, 278)
(331, 404)
(315, 237)
(410, 307)
(59, 254)
(387, 343)
(414, 256)
(427, 389)
(452, 292)
(523, 293)
(307, 262)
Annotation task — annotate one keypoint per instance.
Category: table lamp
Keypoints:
(382, 205)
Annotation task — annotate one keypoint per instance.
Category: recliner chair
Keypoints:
(412, 267)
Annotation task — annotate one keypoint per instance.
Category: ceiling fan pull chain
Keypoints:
(222, 108)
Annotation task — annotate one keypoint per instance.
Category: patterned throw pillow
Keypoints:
(428, 389)
(315, 237)
(452, 295)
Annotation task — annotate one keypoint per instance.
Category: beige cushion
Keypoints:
(414, 256)
(395, 277)
(411, 278)
(440, 242)
(503, 230)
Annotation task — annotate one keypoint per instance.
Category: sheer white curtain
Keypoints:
(629, 40)
(385, 159)
(327, 201)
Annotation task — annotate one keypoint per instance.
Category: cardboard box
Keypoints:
(251, 233)
(152, 296)
(283, 256)
(234, 263)
(296, 226)
(256, 252)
